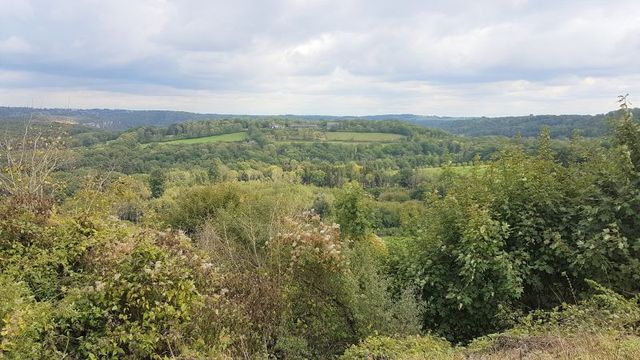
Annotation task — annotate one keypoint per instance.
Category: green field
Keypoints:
(333, 137)
(363, 136)
(232, 137)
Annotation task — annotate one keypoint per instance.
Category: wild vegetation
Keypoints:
(281, 239)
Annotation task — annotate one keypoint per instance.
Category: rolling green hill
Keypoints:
(562, 126)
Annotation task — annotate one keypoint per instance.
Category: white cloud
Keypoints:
(14, 45)
(16, 9)
(318, 56)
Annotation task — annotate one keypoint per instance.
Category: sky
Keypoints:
(343, 57)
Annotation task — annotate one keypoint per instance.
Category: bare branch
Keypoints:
(30, 160)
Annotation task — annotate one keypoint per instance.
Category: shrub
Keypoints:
(408, 348)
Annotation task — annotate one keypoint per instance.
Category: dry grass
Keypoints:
(583, 346)
(580, 346)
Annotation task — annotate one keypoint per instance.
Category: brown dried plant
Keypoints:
(28, 161)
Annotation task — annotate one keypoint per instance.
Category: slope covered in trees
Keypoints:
(283, 245)
(528, 126)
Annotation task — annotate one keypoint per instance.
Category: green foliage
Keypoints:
(627, 132)
(318, 289)
(362, 137)
(321, 155)
(321, 206)
(522, 234)
(334, 293)
(604, 320)
(603, 326)
(354, 212)
(413, 347)
(138, 303)
(22, 320)
(470, 248)
(157, 180)
(83, 288)
(465, 276)
(604, 310)
(202, 202)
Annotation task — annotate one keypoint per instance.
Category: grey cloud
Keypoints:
(373, 52)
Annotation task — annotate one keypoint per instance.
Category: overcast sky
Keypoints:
(343, 57)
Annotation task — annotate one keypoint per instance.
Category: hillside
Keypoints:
(284, 239)
(527, 126)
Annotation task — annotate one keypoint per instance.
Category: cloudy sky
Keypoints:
(442, 57)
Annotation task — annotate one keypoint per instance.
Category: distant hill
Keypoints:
(527, 126)
(561, 126)
(101, 118)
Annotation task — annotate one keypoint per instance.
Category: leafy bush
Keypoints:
(200, 203)
(413, 347)
(141, 296)
(22, 321)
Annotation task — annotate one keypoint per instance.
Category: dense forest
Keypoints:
(320, 238)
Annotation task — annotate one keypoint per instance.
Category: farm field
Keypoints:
(330, 137)
(232, 137)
